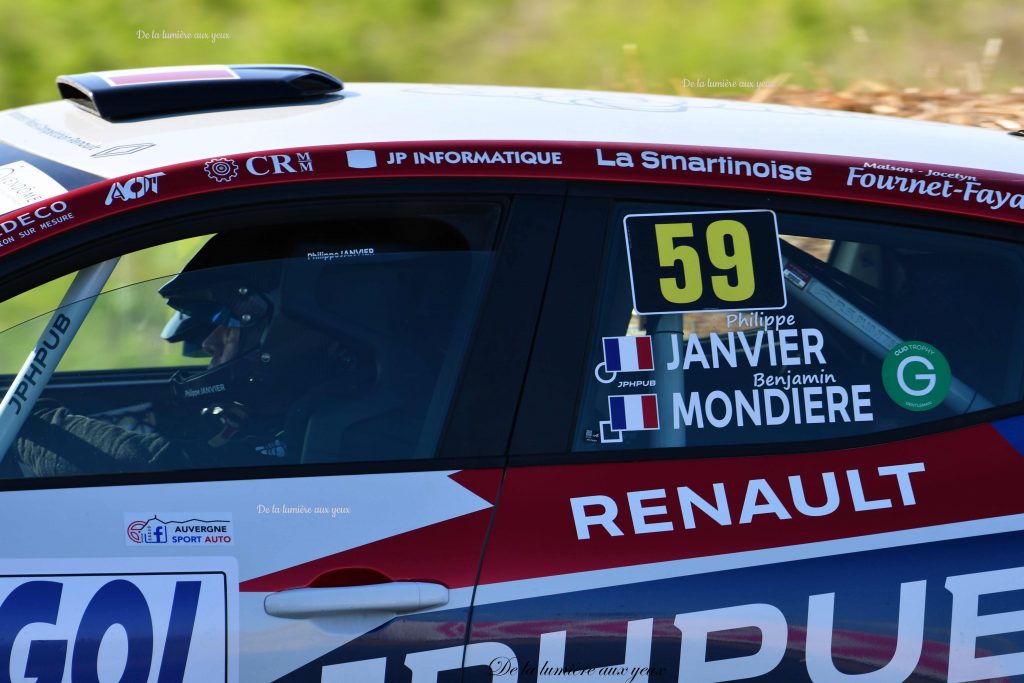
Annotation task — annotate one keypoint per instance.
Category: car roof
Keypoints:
(385, 113)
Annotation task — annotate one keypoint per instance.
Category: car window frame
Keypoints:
(554, 385)
(481, 413)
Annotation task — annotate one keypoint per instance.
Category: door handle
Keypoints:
(396, 596)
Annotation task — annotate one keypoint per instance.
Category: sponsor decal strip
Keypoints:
(564, 520)
(972, 192)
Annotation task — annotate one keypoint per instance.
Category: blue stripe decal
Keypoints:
(612, 362)
(864, 629)
(617, 408)
(1012, 429)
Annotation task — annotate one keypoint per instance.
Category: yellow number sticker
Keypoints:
(669, 253)
(704, 261)
(738, 259)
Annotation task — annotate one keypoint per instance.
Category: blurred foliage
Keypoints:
(122, 329)
(566, 43)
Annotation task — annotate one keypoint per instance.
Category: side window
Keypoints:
(339, 341)
(743, 327)
(124, 311)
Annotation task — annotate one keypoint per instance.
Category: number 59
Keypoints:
(671, 250)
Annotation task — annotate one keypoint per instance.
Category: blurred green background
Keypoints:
(661, 46)
(569, 43)
(123, 328)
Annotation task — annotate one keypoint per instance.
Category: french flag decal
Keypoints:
(628, 354)
(634, 412)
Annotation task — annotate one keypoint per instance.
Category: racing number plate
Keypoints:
(704, 261)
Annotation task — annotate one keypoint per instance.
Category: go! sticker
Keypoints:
(704, 261)
(168, 624)
(916, 376)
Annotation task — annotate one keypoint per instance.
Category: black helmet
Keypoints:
(227, 284)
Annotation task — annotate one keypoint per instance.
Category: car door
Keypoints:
(180, 510)
(764, 438)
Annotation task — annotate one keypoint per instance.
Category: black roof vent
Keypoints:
(134, 93)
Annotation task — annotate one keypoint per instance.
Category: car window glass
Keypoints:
(339, 343)
(874, 327)
(125, 312)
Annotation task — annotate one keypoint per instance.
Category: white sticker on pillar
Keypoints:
(22, 184)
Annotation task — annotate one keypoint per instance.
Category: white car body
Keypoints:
(491, 566)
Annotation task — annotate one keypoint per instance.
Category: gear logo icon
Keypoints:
(222, 170)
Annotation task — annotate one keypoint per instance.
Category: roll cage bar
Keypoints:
(53, 343)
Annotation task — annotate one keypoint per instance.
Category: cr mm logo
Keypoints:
(276, 164)
(133, 188)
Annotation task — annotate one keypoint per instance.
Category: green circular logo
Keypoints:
(916, 375)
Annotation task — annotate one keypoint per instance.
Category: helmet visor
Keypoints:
(245, 310)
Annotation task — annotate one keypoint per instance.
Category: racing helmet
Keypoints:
(231, 288)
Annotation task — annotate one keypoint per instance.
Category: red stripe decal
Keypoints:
(448, 552)
(644, 353)
(844, 178)
(169, 76)
(649, 402)
(967, 474)
(484, 483)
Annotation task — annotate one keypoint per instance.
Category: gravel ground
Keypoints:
(999, 111)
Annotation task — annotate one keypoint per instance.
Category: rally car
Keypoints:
(374, 383)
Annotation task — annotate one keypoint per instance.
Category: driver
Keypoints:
(226, 313)
(229, 413)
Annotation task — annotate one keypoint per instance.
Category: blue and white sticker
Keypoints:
(164, 529)
(117, 619)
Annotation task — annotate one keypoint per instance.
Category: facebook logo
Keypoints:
(154, 532)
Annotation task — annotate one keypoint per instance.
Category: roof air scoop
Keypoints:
(135, 93)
